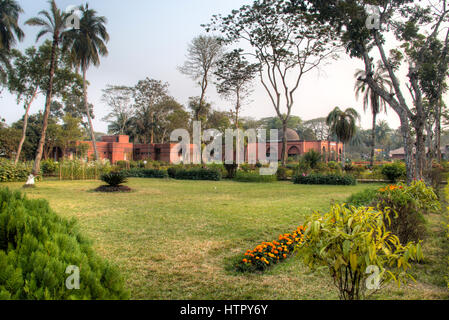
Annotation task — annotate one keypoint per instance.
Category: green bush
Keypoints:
(408, 204)
(145, 173)
(282, 174)
(49, 167)
(312, 158)
(393, 172)
(37, 246)
(329, 179)
(181, 173)
(231, 170)
(114, 179)
(14, 173)
(243, 176)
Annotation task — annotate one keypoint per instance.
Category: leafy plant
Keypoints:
(145, 173)
(394, 171)
(353, 242)
(114, 179)
(312, 158)
(362, 198)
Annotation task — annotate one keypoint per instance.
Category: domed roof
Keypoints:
(292, 135)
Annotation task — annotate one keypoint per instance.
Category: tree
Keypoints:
(371, 100)
(286, 46)
(343, 124)
(417, 28)
(120, 100)
(148, 94)
(68, 133)
(53, 23)
(234, 78)
(203, 53)
(87, 44)
(10, 30)
(319, 128)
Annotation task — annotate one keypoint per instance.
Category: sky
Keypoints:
(149, 38)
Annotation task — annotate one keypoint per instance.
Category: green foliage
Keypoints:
(347, 241)
(409, 204)
(394, 171)
(181, 173)
(145, 173)
(243, 176)
(49, 167)
(231, 170)
(312, 158)
(14, 173)
(325, 179)
(282, 174)
(114, 179)
(36, 247)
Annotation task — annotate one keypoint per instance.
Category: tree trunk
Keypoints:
(284, 143)
(420, 152)
(25, 125)
(86, 105)
(40, 147)
(408, 148)
(373, 147)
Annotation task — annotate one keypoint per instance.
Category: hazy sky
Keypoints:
(149, 38)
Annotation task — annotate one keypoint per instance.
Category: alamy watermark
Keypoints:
(257, 149)
(73, 281)
(373, 19)
(73, 21)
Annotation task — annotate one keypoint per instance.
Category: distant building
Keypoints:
(118, 148)
(399, 154)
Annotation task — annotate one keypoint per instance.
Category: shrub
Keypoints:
(352, 243)
(180, 173)
(282, 174)
(393, 172)
(231, 170)
(269, 253)
(243, 176)
(14, 173)
(312, 158)
(114, 179)
(37, 246)
(321, 179)
(408, 205)
(80, 170)
(145, 173)
(49, 167)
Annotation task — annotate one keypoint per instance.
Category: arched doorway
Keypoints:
(294, 153)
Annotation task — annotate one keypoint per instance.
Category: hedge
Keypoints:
(329, 179)
(12, 173)
(145, 173)
(194, 174)
(37, 247)
(243, 176)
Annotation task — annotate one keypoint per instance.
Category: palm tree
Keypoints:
(9, 31)
(343, 124)
(86, 45)
(9, 24)
(371, 100)
(54, 24)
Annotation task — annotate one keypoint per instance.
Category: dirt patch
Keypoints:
(110, 189)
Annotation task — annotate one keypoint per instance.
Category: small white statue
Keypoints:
(30, 181)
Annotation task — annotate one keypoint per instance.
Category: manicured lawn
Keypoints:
(175, 239)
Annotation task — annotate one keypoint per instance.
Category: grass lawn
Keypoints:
(175, 239)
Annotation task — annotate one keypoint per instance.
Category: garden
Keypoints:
(166, 242)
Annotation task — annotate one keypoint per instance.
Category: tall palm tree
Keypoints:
(9, 24)
(53, 23)
(371, 100)
(343, 124)
(86, 45)
(10, 32)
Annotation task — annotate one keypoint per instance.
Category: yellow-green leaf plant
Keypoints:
(355, 246)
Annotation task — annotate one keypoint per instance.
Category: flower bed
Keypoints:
(270, 253)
